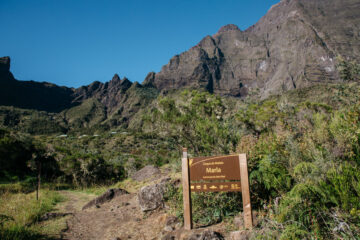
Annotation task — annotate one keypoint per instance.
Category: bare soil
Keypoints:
(121, 218)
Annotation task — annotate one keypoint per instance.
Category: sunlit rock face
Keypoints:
(294, 45)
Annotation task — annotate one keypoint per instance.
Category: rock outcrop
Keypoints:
(146, 173)
(106, 197)
(151, 197)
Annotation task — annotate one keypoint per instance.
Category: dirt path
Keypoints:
(120, 218)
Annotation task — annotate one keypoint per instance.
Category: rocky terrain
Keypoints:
(294, 45)
(141, 214)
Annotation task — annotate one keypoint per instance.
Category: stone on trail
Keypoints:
(106, 197)
(206, 235)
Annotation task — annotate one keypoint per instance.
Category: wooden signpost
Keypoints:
(215, 174)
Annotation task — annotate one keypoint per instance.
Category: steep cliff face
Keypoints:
(294, 45)
(109, 94)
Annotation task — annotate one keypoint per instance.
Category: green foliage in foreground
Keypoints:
(20, 212)
(208, 208)
(304, 160)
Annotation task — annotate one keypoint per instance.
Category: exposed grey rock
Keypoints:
(146, 172)
(293, 46)
(149, 80)
(106, 197)
(151, 197)
(206, 235)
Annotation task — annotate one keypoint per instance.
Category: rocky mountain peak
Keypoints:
(228, 28)
(149, 80)
(115, 78)
(4, 64)
(125, 82)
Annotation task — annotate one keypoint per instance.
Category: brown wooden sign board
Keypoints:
(210, 173)
(215, 168)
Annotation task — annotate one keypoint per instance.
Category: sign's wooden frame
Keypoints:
(245, 191)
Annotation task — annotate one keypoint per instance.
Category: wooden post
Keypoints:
(186, 191)
(245, 190)
(39, 179)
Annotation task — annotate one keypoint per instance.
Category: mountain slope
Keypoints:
(294, 45)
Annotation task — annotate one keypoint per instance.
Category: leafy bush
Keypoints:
(207, 208)
(197, 122)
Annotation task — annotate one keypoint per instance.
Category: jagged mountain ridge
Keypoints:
(112, 103)
(52, 98)
(294, 45)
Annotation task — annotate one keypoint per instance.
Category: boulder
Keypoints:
(106, 197)
(147, 172)
(151, 197)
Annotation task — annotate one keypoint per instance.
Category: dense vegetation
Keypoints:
(304, 157)
(303, 149)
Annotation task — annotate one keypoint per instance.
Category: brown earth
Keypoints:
(121, 218)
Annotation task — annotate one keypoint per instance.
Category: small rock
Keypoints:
(239, 235)
(168, 229)
(206, 235)
(239, 219)
(168, 237)
(171, 220)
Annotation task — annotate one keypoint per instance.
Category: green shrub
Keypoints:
(207, 208)
(272, 175)
(343, 185)
(293, 232)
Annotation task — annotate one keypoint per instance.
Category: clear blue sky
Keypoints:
(75, 42)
